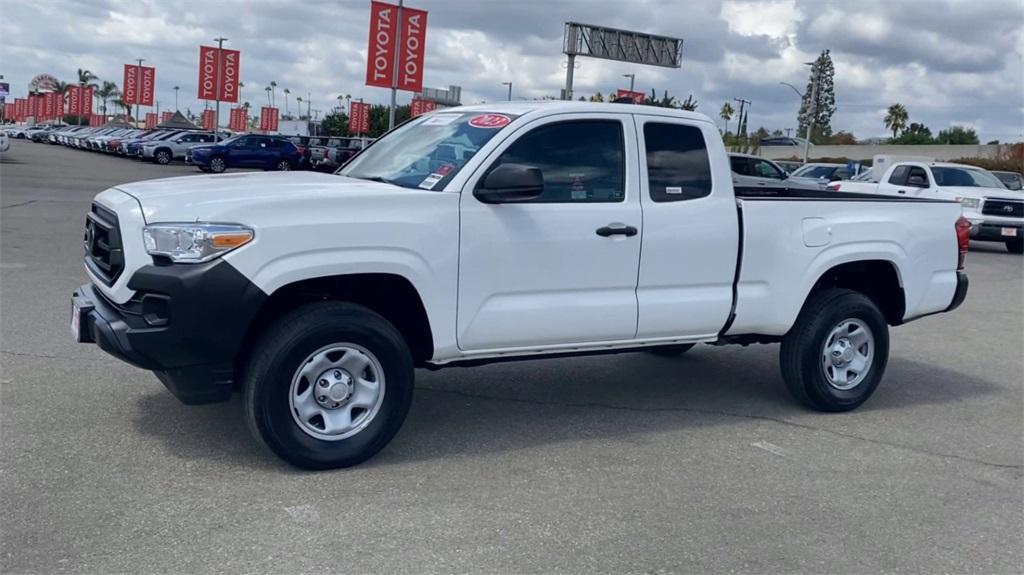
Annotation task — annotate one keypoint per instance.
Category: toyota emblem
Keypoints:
(1008, 209)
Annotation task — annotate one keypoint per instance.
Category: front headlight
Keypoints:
(969, 203)
(192, 243)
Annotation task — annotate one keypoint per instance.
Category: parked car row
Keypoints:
(165, 145)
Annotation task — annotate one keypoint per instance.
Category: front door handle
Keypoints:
(901, 191)
(616, 229)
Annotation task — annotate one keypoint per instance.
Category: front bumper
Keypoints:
(996, 231)
(186, 323)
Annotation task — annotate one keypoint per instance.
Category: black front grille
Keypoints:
(102, 242)
(1008, 208)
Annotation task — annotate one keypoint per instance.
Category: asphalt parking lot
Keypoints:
(628, 463)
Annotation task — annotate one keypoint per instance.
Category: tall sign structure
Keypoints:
(394, 59)
(619, 45)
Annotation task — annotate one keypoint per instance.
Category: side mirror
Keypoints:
(510, 183)
(917, 181)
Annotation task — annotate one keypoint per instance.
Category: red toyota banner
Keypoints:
(150, 120)
(19, 109)
(147, 85)
(75, 100)
(238, 120)
(410, 56)
(86, 94)
(97, 119)
(637, 97)
(359, 118)
(420, 107)
(380, 57)
(50, 105)
(380, 60)
(209, 120)
(130, 87)
(229, 75)
(35, 106)
(9, 111)
(268, 119)
(166, 116)
(230, 61)
(207, 73)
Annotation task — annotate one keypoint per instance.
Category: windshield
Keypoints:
(427, 153)
(815, 172)
(965, 177)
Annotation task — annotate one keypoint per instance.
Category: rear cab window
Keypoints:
(677, 162)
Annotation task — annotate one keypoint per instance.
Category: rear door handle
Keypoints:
(616, 229)
(901, 191)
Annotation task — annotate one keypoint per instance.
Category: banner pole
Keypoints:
(216, 117)
(138, 86)
(396, 62)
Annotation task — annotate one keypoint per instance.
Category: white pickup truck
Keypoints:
(558, 228)
(996, 213)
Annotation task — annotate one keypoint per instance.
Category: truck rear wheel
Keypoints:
(1015, 246)
(835, 354)
(328, 386)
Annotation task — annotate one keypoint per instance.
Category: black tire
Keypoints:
(801, 356)
(670, 350)
(204, 169)
(285, 347)
(1015, 246)
(162, 157)
(283, 166)
(218, 164)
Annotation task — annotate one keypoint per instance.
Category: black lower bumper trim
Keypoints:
(962, 283)
(186, 323)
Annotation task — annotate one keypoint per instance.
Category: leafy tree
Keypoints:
(957, 135)
(760, 134)
(896, 119)
(842, 138)
(597, 97)
(726, 114)
(689, 103)
(336, 124)
(379, 118)
(915, 134)
(85, 78)
(992, 143)
(777, 133)
(824, 104)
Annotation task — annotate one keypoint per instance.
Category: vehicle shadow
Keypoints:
(507, 407)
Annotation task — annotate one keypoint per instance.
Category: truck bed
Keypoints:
(791, 238)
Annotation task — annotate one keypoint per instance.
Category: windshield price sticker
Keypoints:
(429, 182)
(490, 121)
(441, 120)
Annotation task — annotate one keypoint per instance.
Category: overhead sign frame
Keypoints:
(618, 45)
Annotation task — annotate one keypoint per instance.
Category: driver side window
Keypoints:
(763, 169)
(581, 160)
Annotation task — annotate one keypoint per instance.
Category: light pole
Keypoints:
(138, 84)
(216, 117)
(811, 109)
(176, 88)
(509, 84)
(632, 81)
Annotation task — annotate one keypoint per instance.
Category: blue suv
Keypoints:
(246, 151)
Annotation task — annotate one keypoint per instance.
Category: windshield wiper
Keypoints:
(383, 181)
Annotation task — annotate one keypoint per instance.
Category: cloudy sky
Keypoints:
(949, 62)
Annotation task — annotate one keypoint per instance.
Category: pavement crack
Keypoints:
(720, 413)
(18, 205)
(45, 356)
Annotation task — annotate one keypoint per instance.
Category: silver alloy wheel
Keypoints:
(217, 165)
(847, 354)
(337, 391)
(284, 166)
(163, 157)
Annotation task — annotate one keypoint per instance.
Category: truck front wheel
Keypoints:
(328, 386)
(835, 354)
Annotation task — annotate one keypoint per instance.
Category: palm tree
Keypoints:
(240, 86)
(85, 78)
(726, 114)
(273, 88)
(689, 104)
(896, 118)
(107, 91)
(120, 103)
(269, 101)
(298, 99)
(286, 92)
